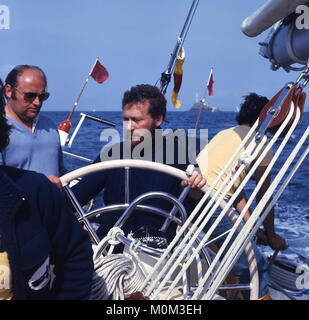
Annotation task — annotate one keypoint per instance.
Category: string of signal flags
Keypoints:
(178, 73)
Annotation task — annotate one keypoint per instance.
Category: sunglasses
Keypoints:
(30, 96)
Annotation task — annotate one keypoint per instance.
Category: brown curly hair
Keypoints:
(150, 93)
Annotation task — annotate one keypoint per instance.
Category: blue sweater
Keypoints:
(38, 230)
(38, 151)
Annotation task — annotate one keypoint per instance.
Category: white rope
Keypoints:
(240, 218)
(209, 232)
(116, 276)
(282, 172)
(161, 262)
(253, 223)
(283, 276)
(133, 249)
(207, 277)
(109, 239)
(200, 226)
(183, 250)
(287, 180)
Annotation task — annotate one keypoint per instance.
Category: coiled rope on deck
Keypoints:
(116, 276)
(283, 273)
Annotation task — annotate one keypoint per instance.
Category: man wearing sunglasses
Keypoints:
(34, 140)
(44, 252)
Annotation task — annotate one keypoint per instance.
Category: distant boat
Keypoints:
(206, 107)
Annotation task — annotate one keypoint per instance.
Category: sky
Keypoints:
(134, 40)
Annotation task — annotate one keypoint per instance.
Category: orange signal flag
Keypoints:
(178, 77)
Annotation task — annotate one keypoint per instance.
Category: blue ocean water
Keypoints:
(292, 209)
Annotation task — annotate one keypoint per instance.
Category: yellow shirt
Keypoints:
(5, 278)
(218, 152)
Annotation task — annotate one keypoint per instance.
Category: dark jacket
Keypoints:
(49, 253)
(141, 181)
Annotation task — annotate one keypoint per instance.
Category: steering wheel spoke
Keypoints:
(176, 215)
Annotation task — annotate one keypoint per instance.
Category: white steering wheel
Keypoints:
(128, 207)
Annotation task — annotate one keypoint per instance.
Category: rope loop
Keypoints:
(111, 238)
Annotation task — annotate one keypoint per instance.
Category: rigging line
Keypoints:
(224, 245)
(185, 36)
(216, 222)
(230, 202)
(202, 216)
(278, 194)
(248, 232)
(187, 247)
(184, 33)
(166, 75)
(196, 210)
(157, 82)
